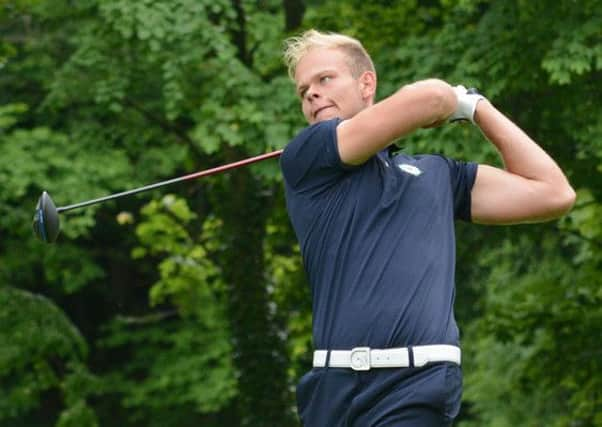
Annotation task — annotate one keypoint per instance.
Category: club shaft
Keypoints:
(199, 174)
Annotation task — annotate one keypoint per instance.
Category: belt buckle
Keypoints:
(360, 359)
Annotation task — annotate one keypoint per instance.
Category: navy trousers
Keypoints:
(392, 397)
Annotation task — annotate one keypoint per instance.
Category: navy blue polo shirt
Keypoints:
(377, 241)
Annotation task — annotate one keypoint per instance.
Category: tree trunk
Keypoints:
(294, 11)
(259, 353)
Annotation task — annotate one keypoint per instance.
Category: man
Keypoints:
(377, 232)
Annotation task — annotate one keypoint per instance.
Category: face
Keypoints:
(327, 88)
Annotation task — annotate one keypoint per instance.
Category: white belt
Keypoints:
(364, 358)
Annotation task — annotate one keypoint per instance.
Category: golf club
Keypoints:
(46, 224)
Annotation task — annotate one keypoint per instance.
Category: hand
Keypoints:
(467, 103)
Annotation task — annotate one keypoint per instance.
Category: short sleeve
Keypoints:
(311, 161)
(462, 175)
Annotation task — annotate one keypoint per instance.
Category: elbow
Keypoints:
(569, 198)
(563, 201)
(436, 99)
(444, 100)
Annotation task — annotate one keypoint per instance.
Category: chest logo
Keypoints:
(411, 169)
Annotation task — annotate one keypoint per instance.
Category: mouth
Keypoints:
(319, 110)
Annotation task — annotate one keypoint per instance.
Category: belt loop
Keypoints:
(411, 356)
(327, 362)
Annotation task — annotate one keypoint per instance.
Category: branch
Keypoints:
(240, 34)
(149, 318)
(163, 124)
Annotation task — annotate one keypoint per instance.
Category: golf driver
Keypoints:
(46, 224)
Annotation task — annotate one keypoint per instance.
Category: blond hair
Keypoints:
(295, 48)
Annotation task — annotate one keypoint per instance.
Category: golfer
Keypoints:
(376, 232)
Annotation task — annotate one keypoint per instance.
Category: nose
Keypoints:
(311, 93)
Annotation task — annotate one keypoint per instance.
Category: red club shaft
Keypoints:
(199, 174)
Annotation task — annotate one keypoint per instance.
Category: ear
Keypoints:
(368, 85)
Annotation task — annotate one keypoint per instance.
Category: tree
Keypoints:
(156, 89)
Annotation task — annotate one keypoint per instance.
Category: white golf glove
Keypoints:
(467, 103)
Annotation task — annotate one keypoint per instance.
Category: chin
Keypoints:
(323, 117)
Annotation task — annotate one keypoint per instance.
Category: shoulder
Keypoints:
(319, 132)
(314, 144)
(312, 156)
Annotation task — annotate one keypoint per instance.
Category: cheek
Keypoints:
(305, 109)
(345, 95)
(353, 101)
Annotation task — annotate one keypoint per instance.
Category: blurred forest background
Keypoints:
(188, 306)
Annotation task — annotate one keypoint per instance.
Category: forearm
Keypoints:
(521, 155)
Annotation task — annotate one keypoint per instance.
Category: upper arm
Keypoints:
(501, 197)
(414, 106)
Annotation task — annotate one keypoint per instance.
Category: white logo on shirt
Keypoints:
(411, 169)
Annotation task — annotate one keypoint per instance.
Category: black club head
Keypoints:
(46, 219)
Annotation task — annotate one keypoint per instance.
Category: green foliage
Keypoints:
(125, 98)
(187, 275)
(193, 282)
(9, 115)
(180, 358)
(78, 415)
(536, 306)
(577, 49)
(41, 352)
(289, 291)
(41, 159)
(173, 365)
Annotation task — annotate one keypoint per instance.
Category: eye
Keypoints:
(302, 91)
(325, 79)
